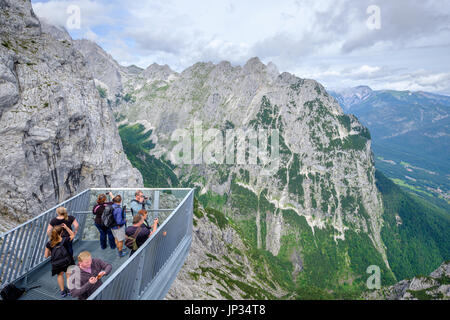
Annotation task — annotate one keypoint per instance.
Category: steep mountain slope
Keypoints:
(410, 132)
(321, 201)
(57, 136)
(415, 231)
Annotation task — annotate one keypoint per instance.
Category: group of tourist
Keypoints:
(110, 220)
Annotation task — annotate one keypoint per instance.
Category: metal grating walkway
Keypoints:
(49, 288)
(148, 274)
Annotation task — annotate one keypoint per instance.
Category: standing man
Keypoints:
(119, 229)
(140, 202)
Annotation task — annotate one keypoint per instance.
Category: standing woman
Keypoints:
(58, 249)
(104, 231)
(63, 218)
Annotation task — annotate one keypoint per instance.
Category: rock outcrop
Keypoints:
(436, 286)
(57, 136)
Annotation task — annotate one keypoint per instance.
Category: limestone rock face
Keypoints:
(317, 136)
(436, 286)
(103, 66)
(57, 136)
(217, 259)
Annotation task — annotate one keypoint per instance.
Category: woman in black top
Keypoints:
(63, 218)
(56, 240)
(104, 231)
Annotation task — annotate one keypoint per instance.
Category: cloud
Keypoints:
(90, 35)
(91, 13)
(321, 39)
(404, 24)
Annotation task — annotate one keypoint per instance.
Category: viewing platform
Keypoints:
(146, 275)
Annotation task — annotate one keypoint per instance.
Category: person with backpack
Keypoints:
(63, 218)
(137, 234)
(118, 228)
(105, 232)
(88, 272)
(58, 249)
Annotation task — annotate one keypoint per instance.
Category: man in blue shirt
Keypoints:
(119, 229)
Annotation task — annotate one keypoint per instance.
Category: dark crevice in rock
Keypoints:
(73, 180)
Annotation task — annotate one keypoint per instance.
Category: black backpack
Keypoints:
(60, 256)
(10, 292)
(108, 217)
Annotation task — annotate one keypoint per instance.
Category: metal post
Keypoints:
(33, 243)
(84, 203)
(138, 279)
(156, 204)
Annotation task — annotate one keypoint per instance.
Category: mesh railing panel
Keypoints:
(22, 249)
(142, 268)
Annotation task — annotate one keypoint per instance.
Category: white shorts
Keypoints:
(119, 233)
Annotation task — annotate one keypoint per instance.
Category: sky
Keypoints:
(385, 44)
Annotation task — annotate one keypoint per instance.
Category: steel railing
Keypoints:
(148, 273)
(22, 248)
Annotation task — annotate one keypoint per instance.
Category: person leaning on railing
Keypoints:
(145, 224)
(104, 231)
(139, 232)
(85, 278)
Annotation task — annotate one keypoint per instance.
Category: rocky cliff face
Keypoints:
(103, 66)
(319, 210)
(219, 266)
(436, 286)
(57, 136)
(326, 172)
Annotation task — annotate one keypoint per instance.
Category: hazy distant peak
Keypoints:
(254, 64)
(157, 71)
(58, 32)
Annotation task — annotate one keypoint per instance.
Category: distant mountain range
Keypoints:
(410, 134)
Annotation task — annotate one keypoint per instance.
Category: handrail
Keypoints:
(21, 248)
(143, 249)
(42, 214)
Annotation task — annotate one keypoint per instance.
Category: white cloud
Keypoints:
(92, 13)
(321, 39)
(90, 35)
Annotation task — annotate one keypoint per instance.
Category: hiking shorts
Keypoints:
(119, 233)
